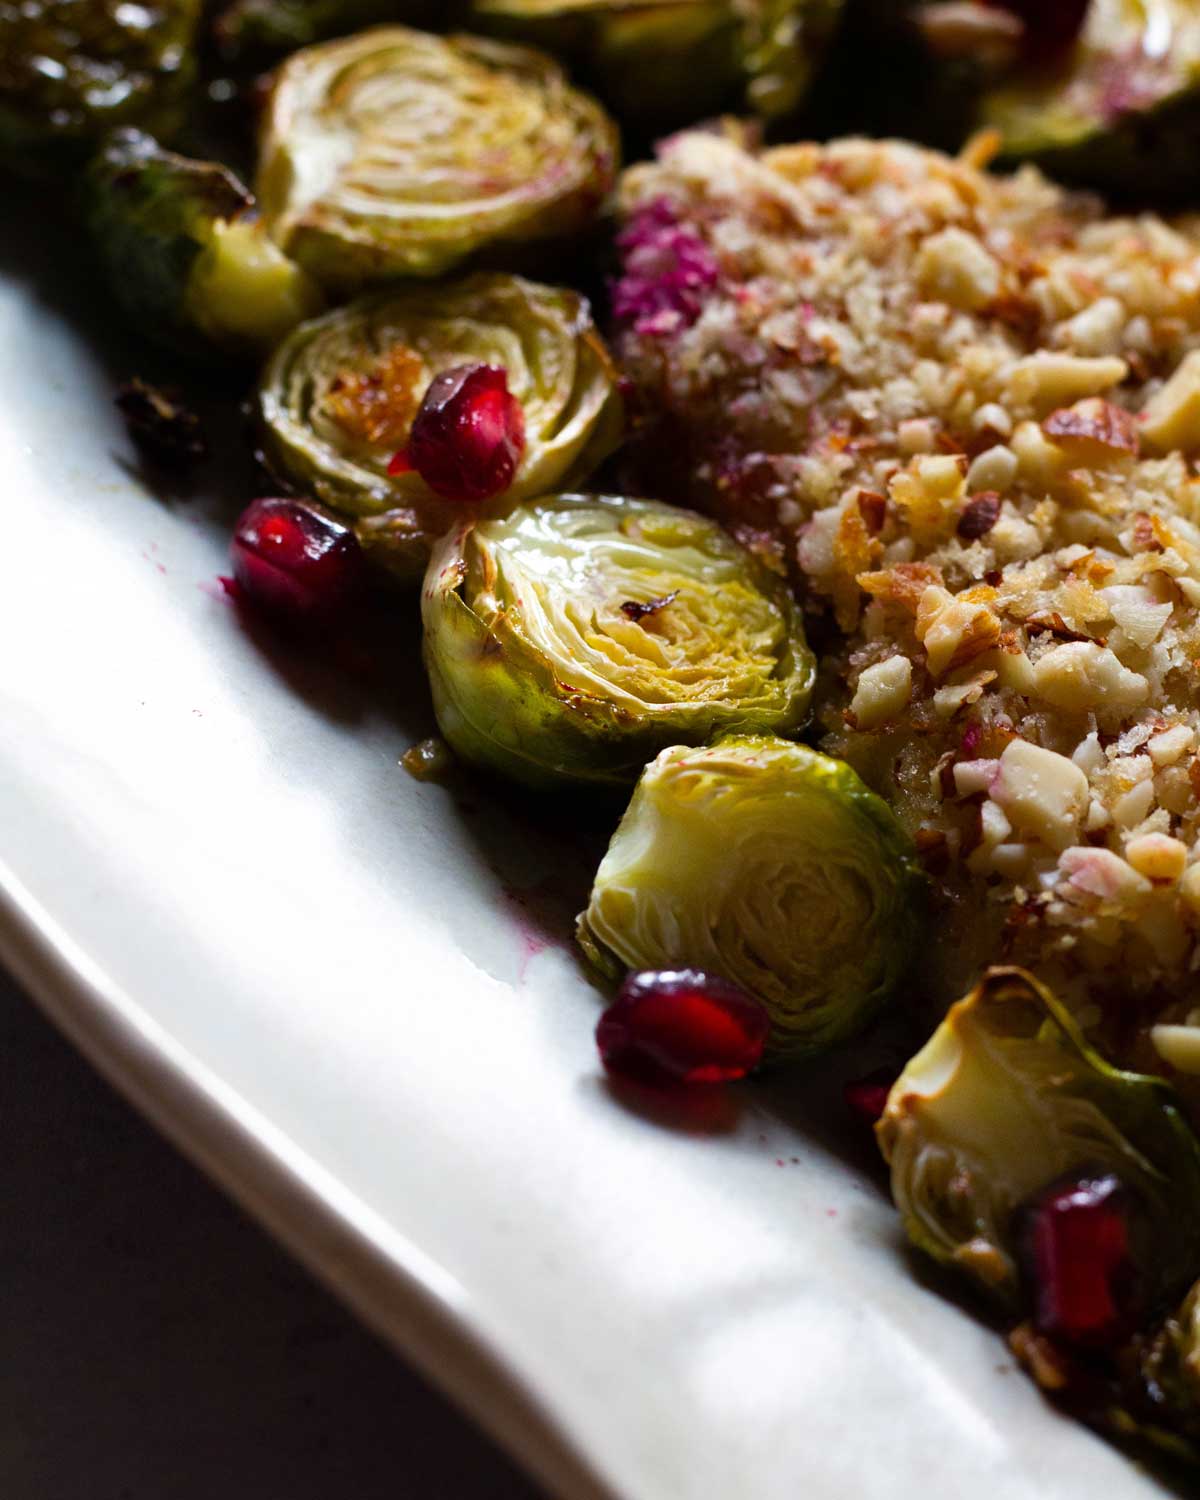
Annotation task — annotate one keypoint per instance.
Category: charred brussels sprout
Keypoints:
(185, 254)
(338, 397)
(770, 865)
(1006, 1098)
(575, 637)
(1159, 1399)
(72, 69)
(1122, 107)
(701, 55)
(396, 153)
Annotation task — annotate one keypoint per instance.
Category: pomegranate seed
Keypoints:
(681, 1026)
(1074, 1245)
(295, 560)
(468, 436)
(867, 1097)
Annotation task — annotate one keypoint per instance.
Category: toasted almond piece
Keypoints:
(1166, 748)
(1092, 429)
(1171, 418)
(993, 469)
(1095, 330)
(1134, 807)
(953, 266)
(953, 630)
(1189, 888)
(882, 692)
(1048, 379)
(1042, 792)
(1103, 874)
(1157, 856)
(972, 776)
(1081, 676)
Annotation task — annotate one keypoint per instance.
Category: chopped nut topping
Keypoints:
(1171, 419)
(882, 693)
(979, 515)
(1092, 426)
(988, 475)
(872, 506)
(953, 630)
(1158, 857)
(1042, 792)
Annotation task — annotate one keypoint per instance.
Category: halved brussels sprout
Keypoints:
(702, 55)
(184, 254)
(1005, 1098)
(1122, 109)
(770, 865)
(1159, 1400)
(338, 397)
(396, 153)
(72, 69)
(575, 637)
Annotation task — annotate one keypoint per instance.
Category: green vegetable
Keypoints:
(396, 153)
(573, 638)
(1158, 1401)
(72, 69)
(773, 866)
(257, 31)
(1005, 1098)
(1122, 111)
(702, 55)
(337, 398)
(184, 253)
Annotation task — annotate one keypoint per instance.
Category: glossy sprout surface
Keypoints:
(773, 866)
(399, 153)
(338, 397)
(573, 638)
(1006, 1098)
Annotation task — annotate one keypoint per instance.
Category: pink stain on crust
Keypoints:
(1096, 872)
(667, 272)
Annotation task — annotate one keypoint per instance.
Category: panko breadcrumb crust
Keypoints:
(963, 411)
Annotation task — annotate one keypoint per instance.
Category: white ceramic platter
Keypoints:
(351, 997)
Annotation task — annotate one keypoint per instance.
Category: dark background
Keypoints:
(155, 1345)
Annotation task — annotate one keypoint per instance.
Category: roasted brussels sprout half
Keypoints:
(337, 399)
(770, 865)
(1121, 110)
(72, 69)
(184, 253)
(1004, 1099)
(1143, 1391)
(575, 637)
(1159, 1399)
(697, 56)
(396, 153)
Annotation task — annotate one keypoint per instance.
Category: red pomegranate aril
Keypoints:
(867, 1097)
(295, 560)
(1075, 1251)
(681, 1026)
(468, 436)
